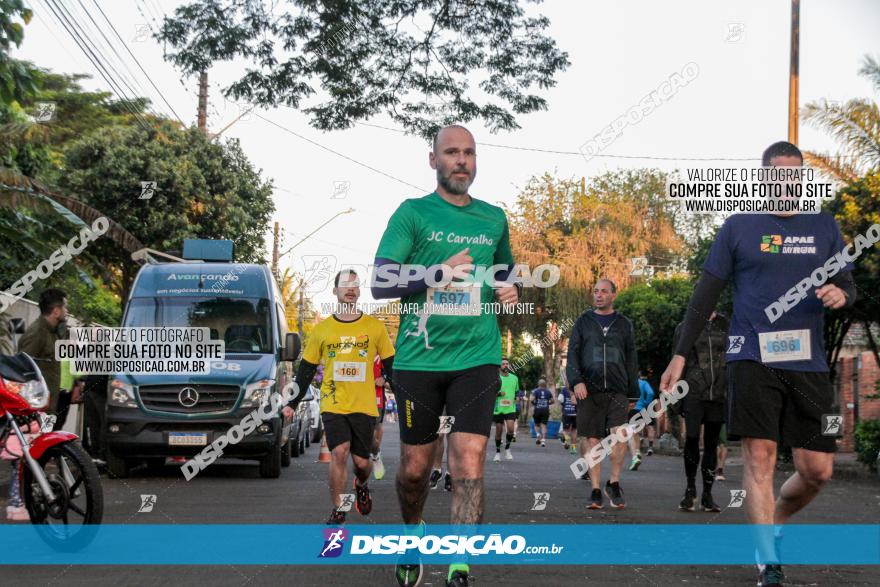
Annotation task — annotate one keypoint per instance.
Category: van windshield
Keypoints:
(244, 324)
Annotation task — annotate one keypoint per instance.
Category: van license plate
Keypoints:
(187, 438)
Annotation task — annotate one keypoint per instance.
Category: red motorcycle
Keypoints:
(59, 482)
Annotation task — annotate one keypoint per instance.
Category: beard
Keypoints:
(459, 187)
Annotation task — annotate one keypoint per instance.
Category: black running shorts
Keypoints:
(541, 416)
(775, 404)
(356, 429)
(498, 418)
(600, 412)
(468, 395)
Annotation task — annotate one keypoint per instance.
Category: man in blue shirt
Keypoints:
(542, 399)
(778, 384)
(646, 396)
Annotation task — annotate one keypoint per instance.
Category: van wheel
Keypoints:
(316, 435)
(308, 439)
(302, 444)
(285, 454)
(270, 465)
(117, 467)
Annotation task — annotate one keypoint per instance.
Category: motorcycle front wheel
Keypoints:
(68, 521)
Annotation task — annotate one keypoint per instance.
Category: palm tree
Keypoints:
(856, 126)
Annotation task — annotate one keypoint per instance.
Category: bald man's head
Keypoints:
(454, 156)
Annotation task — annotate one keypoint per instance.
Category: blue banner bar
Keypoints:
(581, 544)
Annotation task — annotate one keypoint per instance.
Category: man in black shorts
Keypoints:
(449, 345)
(542, 399)
(785, 269)
(604, 370)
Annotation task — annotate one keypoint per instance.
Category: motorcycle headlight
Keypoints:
(121, 394)
(257, 392)
(33, 392)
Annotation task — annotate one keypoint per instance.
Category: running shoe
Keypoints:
(538, 440)
(497, 457)
(595, 500)
(572, 450)
(719, 474)
(337, 518)
(507, 454)
(513, 439)
(364, 501)
(650, 451)
(409, 575)
(708, 504)
(435, 477)
(615, 494)
(770, 576)
(690, 498)
(447, 483)
(543, 443)
(378, 467)
(458, 579)
(565, 446)
(635, 462)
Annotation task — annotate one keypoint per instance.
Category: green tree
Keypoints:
(16, 79)
(203, 190)
(588, 229)
(374, 56)
(655, 308)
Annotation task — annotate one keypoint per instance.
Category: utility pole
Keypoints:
(203, 102)
(275, 246)
(793, 73)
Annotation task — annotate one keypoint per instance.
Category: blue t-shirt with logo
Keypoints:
(542, 398)
(569, 408)
(766, 256)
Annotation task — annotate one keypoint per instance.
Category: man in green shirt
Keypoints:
(505, 410)
(448, 346)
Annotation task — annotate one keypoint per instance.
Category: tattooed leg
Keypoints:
(466, 457)
(412, 479)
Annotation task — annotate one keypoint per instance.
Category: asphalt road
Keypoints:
(232, 492)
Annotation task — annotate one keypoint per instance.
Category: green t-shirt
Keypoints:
(506, 402)
(427, 231)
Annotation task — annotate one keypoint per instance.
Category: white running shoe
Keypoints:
(496, 458)
(508, 455)
(378, 467)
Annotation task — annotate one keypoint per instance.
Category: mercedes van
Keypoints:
(154, 416)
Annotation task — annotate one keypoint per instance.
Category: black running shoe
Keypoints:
(708, 503)
(337, 518)
(435, 477)
(364, 502)
(615, 494)
(595, 500)
(447, 482)
(770, 576)
(690, 498)
(409, 575)
(459, 579)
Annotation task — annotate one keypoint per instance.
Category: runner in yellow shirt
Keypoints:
(346, 343)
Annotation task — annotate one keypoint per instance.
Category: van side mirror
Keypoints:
(292, 347)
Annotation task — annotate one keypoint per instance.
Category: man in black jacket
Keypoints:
(603, 371)
(703, 406)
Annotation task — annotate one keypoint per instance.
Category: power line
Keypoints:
(337, 153)
(124, 44)
(598, 155)
(125, 101)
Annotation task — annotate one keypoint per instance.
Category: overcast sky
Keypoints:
(619, 52)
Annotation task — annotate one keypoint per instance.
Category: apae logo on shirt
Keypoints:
(790, 245)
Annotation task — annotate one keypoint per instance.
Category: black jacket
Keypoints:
(604, 361)
(704, 363)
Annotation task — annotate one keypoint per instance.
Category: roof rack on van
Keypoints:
(150, 256)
